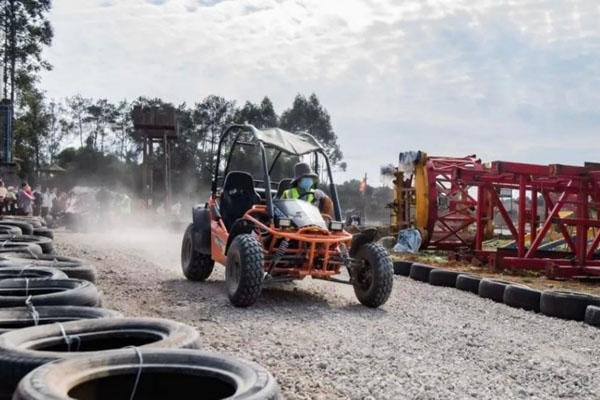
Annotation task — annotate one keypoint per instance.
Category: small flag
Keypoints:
(363, 185)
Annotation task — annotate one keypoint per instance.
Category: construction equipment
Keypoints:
(457, 204)
(261, 237)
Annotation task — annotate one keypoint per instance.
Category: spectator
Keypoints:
(10, 200)
(3, 193)
(25, 200)
(47, 201)
(37, 201)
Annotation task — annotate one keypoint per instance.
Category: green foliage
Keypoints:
(308, 115)
(260, 115)
(31, 129)
(109, 152)
(88, 166)
(25, 32)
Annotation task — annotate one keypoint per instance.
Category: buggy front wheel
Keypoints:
(373, 275)
(244, 270)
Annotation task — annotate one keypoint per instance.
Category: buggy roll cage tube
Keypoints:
(267, 169)
(265, 166)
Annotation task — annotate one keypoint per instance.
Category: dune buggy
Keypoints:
(262, 238)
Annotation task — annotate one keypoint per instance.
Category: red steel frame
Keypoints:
(448, 226)
(562, 187)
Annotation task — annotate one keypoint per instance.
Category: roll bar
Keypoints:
(266, 169)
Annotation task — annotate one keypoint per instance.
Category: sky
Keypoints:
(514, 80)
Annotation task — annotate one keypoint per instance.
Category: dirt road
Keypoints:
(425, 343)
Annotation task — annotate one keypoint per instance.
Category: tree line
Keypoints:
(93, 139)
(71, 131)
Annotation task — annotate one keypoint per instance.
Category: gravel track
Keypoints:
(425, 343)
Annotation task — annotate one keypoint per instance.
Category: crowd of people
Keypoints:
(31, 202)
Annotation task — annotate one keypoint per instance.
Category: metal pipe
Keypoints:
(332, 188)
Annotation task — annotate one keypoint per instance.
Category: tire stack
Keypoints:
(559, 304)
(55, 342)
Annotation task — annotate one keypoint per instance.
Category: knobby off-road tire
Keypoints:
(244, 270)
(195, 266)
(402, 268)
(468, 283)
(567, 305)
(21, 317)
(443, 277)
(166, 374)
(23, 350)
(373, 275)
(520, 296)
(73, 267)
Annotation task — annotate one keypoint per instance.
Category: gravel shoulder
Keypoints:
(425, 343)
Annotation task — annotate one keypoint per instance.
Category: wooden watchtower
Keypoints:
(155, 126)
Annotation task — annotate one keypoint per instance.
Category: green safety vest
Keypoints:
(294, 193)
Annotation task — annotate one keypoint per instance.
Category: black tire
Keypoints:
(493, 289)
(10, 230)
(195, 265)
(244, 270)
(44, 242)
(36, 222)
(402, 268)
(468, 283)
(26, 228)
(520, 296)
(44, 232)
(420, 272)
(27, 249)
(23, 350)
(567, 305)
(73, 267)
(21, 317)
(73, 292)
(592, 316)
(31, 272)
(167, 374)
(373, 275)
(443, 277)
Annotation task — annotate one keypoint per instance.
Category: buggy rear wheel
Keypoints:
(196, 266)
(373, 275)
(244, 270)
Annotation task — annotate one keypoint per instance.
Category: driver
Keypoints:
(303, 188)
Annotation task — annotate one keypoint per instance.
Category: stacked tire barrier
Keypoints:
(559, 304)
(55, 341)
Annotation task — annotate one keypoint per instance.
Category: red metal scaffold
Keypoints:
(463, 201)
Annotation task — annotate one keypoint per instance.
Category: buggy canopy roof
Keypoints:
(292, 143)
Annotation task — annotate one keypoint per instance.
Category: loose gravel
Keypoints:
(425, 343)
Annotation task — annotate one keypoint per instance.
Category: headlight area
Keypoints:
(284, 223)
(336, 226)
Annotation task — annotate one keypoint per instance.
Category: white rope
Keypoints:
(27, 266)
(26, 286)
(4, 243)
(69, 338)
(139, 373)
(31, 308)
(31, 252)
